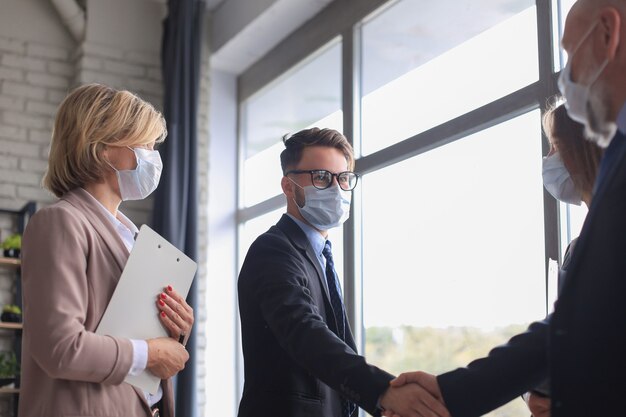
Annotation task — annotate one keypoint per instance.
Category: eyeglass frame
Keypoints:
(332, 175)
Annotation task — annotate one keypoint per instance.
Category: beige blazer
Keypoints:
(72, 259)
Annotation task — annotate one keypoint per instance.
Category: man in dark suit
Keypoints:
(299, 354)
(581, 346)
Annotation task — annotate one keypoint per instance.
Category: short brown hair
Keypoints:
(580, 156)
(90, 118)
(296, 143)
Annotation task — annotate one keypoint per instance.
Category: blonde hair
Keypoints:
(90, 118)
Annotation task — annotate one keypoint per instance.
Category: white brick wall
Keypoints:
(137, 71)
(203, 185)
(33, 79)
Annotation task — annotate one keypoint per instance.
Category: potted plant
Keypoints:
(9, 368)
(12, 246)
(11, 313)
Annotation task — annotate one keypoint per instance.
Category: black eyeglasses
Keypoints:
(323, 179)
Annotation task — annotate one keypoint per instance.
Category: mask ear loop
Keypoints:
(583, 39)
(596, 75)
(117, 170)
(294, 200)
(111, 165)
(136, 157)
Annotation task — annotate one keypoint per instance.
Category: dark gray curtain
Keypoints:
(176, 199)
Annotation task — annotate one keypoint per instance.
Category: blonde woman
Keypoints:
(102, 153)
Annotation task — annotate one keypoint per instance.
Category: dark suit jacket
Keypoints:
(294, 364)
(585, 339)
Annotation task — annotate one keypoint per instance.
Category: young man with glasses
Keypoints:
(300, 357)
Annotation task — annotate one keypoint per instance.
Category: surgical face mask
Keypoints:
(558, 181)
(139, 183)
(325, 209)
(577, 95)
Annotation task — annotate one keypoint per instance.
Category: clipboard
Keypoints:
(153, 264)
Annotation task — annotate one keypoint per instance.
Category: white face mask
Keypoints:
(558, 181)
(325, 209)
(577, 95)
(139, 183)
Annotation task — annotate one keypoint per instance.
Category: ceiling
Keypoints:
(243, 31)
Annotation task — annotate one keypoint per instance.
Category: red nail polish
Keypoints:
(161, 303)
(169, 288)
(163, 296)
(162, 313)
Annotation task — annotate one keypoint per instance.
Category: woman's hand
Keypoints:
(166, 357)
(175, 314)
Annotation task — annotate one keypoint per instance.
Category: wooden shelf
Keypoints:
(11, 326)
(9, 391)
(10, 261)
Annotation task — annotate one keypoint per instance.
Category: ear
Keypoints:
(611, 21)
(287, 187)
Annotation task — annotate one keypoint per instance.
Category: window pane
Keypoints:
(453, 250)
(572, 219)
(253, 228)
(560, 8)
(308, 96)
(425, 62)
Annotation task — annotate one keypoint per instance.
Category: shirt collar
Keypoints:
(120, 220)
(315, 237)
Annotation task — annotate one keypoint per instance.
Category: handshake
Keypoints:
(413, 394)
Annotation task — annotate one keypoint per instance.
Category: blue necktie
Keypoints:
(334, 290)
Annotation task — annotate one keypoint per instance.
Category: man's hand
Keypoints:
(166, 357)
(539, 405)
(414, 394)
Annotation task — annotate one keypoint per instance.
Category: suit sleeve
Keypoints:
(55, 287)
(506, 373)
(279, 286)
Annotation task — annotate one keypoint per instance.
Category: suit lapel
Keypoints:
(295, 234)
(84, 202)
(606, 173)
(299, 239)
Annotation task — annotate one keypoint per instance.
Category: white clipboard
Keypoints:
(153, 264)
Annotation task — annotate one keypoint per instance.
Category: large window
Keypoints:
(453, 254)
(427, 62)
(308, 95)
(446, 256)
